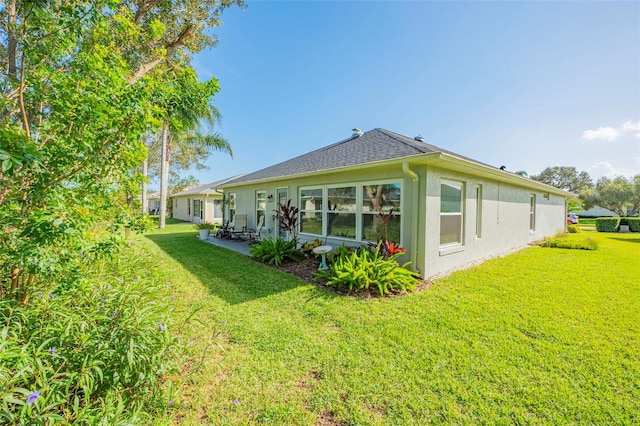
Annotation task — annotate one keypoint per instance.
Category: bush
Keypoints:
(573, 229)
(561, 241)
(634, 224)
(276, 250)
(364, 269)
(94, 353)
(307, 248)
(607, 224)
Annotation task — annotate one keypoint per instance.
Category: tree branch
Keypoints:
(170, 48)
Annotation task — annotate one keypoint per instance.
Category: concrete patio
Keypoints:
(237, 245)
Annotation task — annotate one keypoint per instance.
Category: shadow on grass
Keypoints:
(626, 240)
(231, 276)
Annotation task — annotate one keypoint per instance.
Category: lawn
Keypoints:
(543, 336)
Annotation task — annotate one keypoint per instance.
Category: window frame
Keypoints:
(532, 212)
(232, 206)
(460, 213)
(359, 195)
(259, 199)
(479, 196)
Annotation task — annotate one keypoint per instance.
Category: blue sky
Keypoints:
(521, 84)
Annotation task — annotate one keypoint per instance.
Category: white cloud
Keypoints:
(631, 126)
(603, 168)
(608, 134)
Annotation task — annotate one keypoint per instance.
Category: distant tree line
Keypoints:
(621, 195)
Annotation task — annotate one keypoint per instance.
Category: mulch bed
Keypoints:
(306, 269)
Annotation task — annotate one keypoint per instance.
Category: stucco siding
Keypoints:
(182, 211)
(505, 221)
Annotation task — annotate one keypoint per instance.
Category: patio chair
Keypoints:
(239, 226)
(253, 235)
(225, 230)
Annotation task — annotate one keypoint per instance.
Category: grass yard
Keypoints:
(543, 336)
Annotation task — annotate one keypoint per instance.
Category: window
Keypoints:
(217, 209)
(532, 212)
(341, 214)
(478, 211)
(451, 212)
(188, 206)
(261, 205)
(352, 211)
(197, 208)
(377, 199)
(232, 207)
(311, 211)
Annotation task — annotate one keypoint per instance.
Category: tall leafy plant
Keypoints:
(79, 83)
(287, 217)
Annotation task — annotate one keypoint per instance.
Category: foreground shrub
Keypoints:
(634, 224)
(607, 224)
(573, 229)
(94, 353)
(366, 269)
(274, 251)
(561, 241)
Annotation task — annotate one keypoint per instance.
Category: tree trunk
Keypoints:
(144, 200)
(164, 174)
(12, 42)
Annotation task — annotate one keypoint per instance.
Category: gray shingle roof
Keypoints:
(374, 145)
(206, 189)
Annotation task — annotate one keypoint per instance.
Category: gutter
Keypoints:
(414, 217)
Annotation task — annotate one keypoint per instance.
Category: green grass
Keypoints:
(543, 336)
(587, 221)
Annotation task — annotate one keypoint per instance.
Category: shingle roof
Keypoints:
(372, 146)
(206, 189)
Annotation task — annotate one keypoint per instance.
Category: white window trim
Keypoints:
(358, 212)
(533, 212)
(479, 202)
(461, 214)
(260, 191)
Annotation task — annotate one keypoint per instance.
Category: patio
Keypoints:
(237, 245)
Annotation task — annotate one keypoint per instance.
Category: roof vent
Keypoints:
(419, 138)
(356, 133)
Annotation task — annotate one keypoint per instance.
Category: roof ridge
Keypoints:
(410, 141)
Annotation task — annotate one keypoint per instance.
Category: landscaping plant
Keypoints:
(607, 224)
(274, 251)
(365, 269)
(563, 241)
(96, 352)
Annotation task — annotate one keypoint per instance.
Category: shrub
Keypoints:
(561, 241)
(93, 353)
(573, 229)
(634, 224)
(276, 250)
(607, 224)
(364, 269)
(307, 248)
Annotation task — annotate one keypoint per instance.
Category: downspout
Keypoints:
(414, 217)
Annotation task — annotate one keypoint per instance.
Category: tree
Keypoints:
(178, 184)
(615, 194)
(187, 106)
(566, 178)
(77, 90)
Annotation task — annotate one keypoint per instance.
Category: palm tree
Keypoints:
(188, 112)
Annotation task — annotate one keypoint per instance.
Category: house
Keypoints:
(447, 210)
(153, 202)
(203, 203)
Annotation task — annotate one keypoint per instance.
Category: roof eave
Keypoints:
(452, 162)
(439, 159)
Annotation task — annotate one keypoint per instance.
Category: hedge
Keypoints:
(634, 224)
(607, 224)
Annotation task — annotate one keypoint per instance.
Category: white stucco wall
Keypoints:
(181, 212)
(505, 213)
(505, 221)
